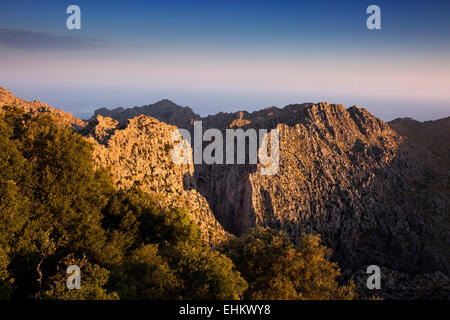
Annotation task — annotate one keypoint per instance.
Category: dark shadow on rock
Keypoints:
(386, 213)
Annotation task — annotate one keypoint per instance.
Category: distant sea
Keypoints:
(83, 115)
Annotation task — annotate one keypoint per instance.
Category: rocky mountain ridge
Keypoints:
(432, 135)
(375, 196)
(34, 107)
(163, 110)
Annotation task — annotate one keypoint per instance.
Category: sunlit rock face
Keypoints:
(343, 173)
(35, 107)
(139, 154)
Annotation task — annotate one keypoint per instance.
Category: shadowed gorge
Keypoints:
(344, 174)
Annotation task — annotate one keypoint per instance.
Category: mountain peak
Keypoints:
(166, 101)
(164, 110)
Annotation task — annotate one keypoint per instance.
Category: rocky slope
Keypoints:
(33, 107)
(139, 154)
(343, 174)
(375, 197)
(432, 135)
(164, 110)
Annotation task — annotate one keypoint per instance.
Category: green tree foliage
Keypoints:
(56, 210)
(276, 269)
(165, 256)
(5, 285)
(132, 217)
(50, 201)
(206, 273)
(145, 275)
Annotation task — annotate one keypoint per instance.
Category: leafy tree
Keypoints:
(133, 217)
(151, 236)
(5, 285)
(14, 205)
(51, 198)
(206, 273)
(145, 275)
(276, 269)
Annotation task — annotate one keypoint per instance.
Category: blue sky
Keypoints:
(229, 55)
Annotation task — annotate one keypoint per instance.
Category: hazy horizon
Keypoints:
(384, 111)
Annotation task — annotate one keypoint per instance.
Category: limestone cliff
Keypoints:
(139, 154)
(34, 107)
(432, 135)
(374, 196)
